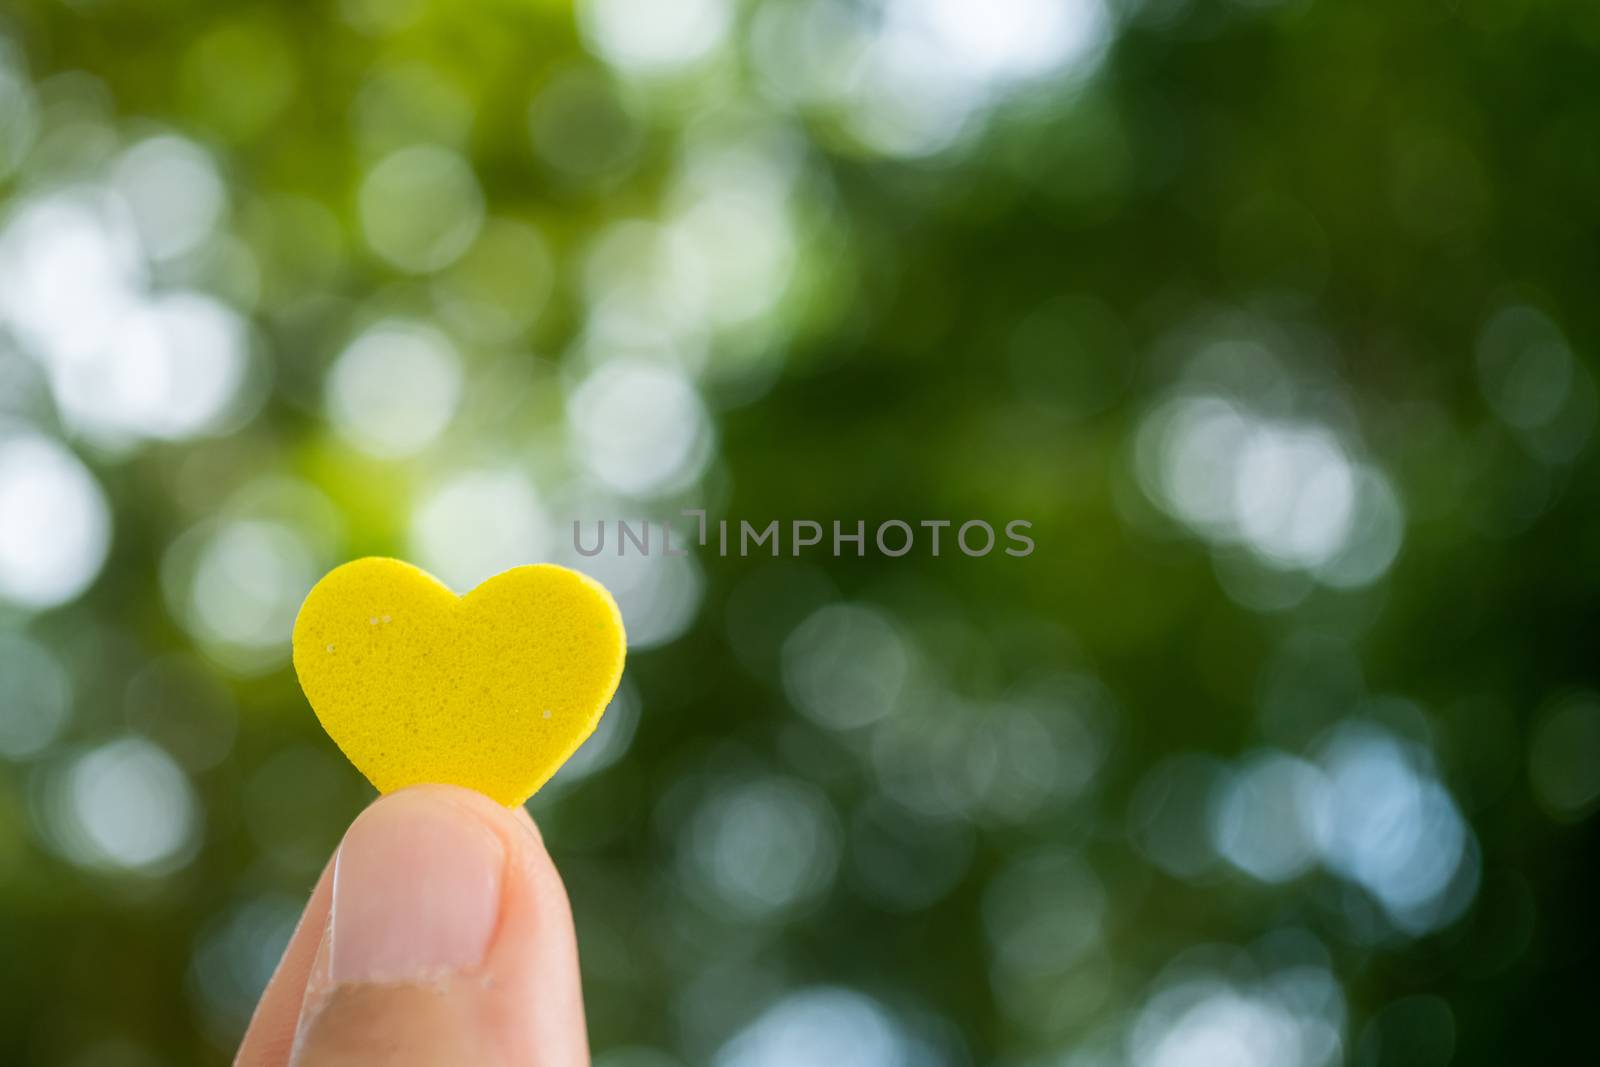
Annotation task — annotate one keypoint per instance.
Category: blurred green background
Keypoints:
(1276, 320)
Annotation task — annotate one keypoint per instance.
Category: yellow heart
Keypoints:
(493, 690)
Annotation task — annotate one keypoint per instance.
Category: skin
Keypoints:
(519, 1005)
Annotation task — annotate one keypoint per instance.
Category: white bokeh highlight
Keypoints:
(640, 427)
(125, 361)
(123, 807)
(760, 849)
(55, 523)
(395, 388)
(645, 37)
(478, 523)
(173, 191)
(823, 1025)
(1288, 492)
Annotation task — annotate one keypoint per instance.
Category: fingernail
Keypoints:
(416, 891)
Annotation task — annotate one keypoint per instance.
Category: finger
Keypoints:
(271, 1033)
(450, 941)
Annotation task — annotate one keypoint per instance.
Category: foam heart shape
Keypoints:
(492, 691)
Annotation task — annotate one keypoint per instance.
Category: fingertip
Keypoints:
(523, 841)
(441, 892)
(508, 821)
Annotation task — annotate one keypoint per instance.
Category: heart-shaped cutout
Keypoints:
(492, 691)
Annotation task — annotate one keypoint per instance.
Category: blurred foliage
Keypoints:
(1275, 320)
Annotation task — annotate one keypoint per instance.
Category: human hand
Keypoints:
(439, 934)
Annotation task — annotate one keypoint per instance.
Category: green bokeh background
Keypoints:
(1152, 795)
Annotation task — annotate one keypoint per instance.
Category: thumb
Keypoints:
(449, 941)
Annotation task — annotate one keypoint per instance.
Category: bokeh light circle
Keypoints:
(35, 696)
(421, 207)
(640, 427)
(395, 388)
(762, 848)
(124, 806)
(55, 523)
(478, 523)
